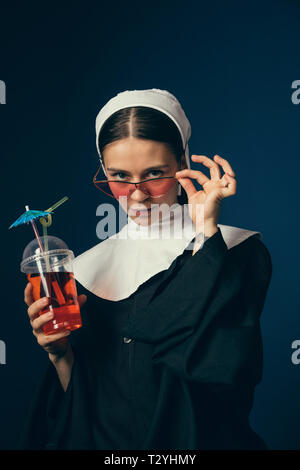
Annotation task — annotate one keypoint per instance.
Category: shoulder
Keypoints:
(253, 254)
(240, 247)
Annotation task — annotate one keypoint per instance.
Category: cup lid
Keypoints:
(54, 250)
(48, 243)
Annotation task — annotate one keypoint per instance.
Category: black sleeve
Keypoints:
(204, 323)
(46, 413)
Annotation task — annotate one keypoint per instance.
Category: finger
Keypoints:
(36, 307)
(188, 186)
(38, 322)
(82, 299)
(225, 165)
(197, 175)
(230, 190)
(47, 340)
(214, 168)
(28, 297)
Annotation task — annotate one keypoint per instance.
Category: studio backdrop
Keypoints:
(235, 68)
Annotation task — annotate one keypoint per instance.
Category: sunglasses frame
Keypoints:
(95, 181)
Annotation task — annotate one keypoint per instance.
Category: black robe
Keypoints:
(173, 366)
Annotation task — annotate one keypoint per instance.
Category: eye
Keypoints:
(119, 173)
(156, 171)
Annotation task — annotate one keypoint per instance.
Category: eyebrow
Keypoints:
(147, 169)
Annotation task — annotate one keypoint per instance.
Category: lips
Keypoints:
(140, 211)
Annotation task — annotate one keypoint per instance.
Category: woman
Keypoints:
(170, 350)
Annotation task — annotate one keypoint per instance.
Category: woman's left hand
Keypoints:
(214, 189)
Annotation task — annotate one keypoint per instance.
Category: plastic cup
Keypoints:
(51, 275)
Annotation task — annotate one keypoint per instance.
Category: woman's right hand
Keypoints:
(55, 344)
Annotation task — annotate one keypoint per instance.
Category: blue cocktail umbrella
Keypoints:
(31, 216)
(28, 216)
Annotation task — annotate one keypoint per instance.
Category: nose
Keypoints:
(138, 195)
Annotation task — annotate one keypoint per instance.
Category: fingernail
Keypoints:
(45, 300)
(50, 314)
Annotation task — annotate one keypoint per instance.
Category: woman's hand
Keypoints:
(56, 344)
(214, 189)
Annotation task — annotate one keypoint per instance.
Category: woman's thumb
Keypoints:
(82, 299)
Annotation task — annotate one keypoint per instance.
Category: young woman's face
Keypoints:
(133, 160)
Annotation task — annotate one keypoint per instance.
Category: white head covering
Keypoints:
(161, 100)
(115, 268)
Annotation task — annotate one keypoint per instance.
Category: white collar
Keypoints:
(115, 268)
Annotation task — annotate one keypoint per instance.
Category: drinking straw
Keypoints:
(44, 282)
(36, 232)
(45, 235)
(46, 223)
(58, 203)
(59, 295)
(39, 242)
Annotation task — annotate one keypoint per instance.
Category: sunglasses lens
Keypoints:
(154, 188)
(114, 189)
(120, 189)
(158, 187)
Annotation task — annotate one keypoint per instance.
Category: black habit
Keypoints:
(173, 366)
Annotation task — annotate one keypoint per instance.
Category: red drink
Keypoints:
(63, 300)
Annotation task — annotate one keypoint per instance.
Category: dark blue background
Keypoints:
(231, 65)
